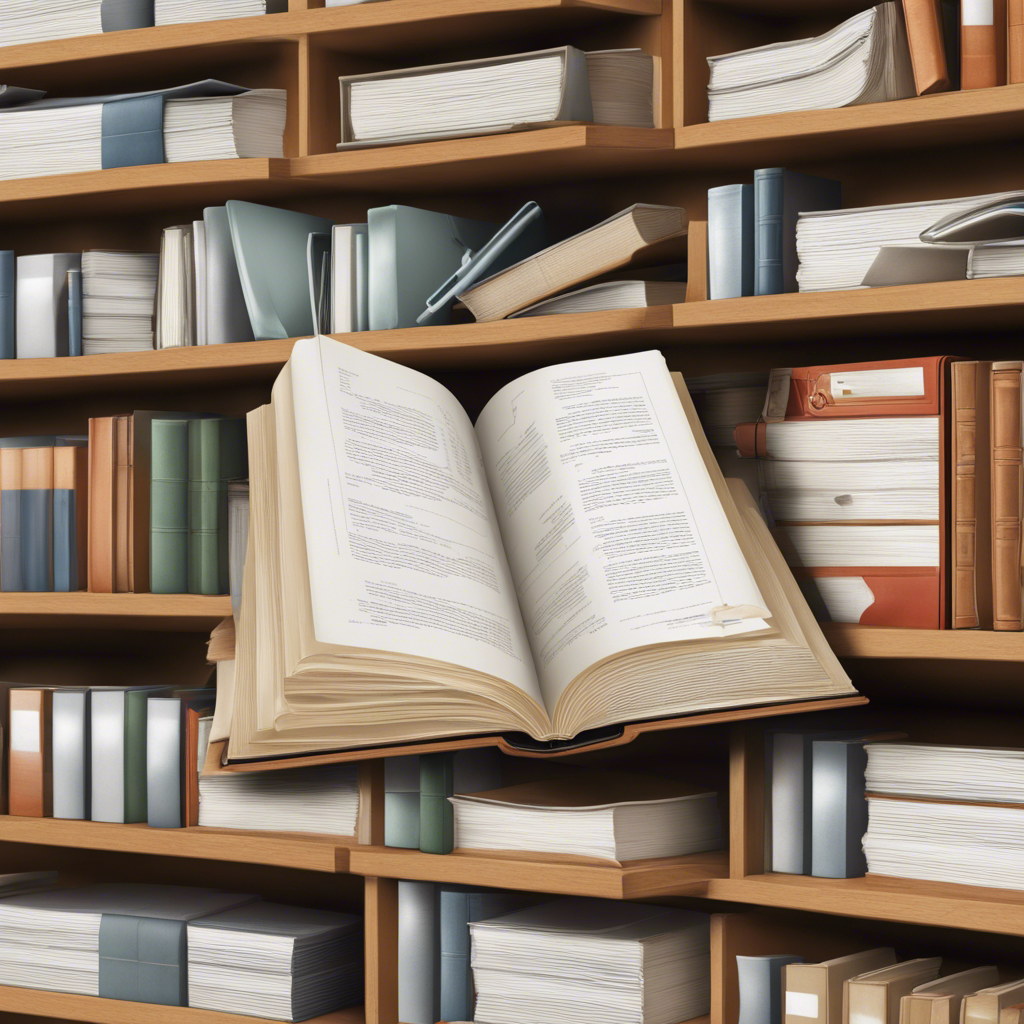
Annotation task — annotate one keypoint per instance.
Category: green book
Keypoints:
(437, 816)
(168, 507)
(216, 454)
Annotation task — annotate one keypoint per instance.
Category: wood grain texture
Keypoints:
(66, 1007)
(746, 801)
(977, 908)
(288, 850)
(851, 641)
(172, 612)
(534, 872)
(380, 923)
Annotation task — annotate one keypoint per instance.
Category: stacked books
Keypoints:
(484, 97)
(176, 12)
(118, 294)
(863, 60)
(43, 513)
(159, 501)
(946, 814)
(277, 961)
(34, 21)
(591, 962)
(206, 120)
(550, 680)
(602, 815)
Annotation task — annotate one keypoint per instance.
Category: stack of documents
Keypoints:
(610, 295)
(582, 961)
(276, 961)
(118, 301)
(225, 127)
(34, 21)
(176, 12)
(863, 60)
(324, 798)
(837, 247)
(995, 261)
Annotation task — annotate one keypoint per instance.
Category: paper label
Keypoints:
(896, 382)
(777, 398)
(25, 731)
(976, 12)
(801, 1004)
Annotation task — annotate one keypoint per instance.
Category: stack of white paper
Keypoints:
(996, 261)
(118, 301)
(578, 961)
(34, 21)
(323, 799)
(276, 961)
(989, 774)
(863, 60)
(176, 12)
(837, 247)
(724, 400)
(176, 289)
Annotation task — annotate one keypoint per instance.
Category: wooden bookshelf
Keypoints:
(953, 644)
(170, 612)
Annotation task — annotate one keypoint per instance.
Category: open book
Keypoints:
(575, 561)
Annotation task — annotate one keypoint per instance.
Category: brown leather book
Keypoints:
(71, 472)
(982, 44)
(1007, 496)
(191, 773)
(30, 770)
(927, 49)
(102, 460)
(970, 496)
(122, 504)
(1014, 41)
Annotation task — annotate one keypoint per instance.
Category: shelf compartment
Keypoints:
(938, 904)
(165, 612)
(276, 849)
(537, 872)
(851, 641)
(65, 1006)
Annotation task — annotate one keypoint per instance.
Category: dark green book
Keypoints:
(437, 816)
(216, 454)
(168, 507)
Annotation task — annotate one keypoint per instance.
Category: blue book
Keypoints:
(74, 312)
(730, 241)
(70, 509)
(11, 577)
(779, 197)
(8, 288)
(37, 519)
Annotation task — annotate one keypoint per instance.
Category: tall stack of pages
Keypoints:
(946, 814)
(854, 465)
(575, 561)
(592, 962)
(34, 21)
(118, 300)
(863, 60)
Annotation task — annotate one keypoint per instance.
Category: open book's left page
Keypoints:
(403, 546)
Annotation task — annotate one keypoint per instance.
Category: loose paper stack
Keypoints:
(324, 798)
(226, 127)
(863, 60)
(118, 301)
(33, 21)
(995, 261)
(578, 961)
(276, 961)
(174, 12)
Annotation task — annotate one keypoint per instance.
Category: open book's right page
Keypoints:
(614, 534)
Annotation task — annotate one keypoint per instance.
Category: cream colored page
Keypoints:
(402, 543)
(612, 528)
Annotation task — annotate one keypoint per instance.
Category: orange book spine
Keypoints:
(30, 769)
(983, 32)
(1007, 497)
(927, 51)
(122, 506)
(101, 504)
(1014, 41)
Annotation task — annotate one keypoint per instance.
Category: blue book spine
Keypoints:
(65, 541)
(769, 188)
(456, 980)
(11, 579)
(8, 289)
(74, 312)
(37, 539)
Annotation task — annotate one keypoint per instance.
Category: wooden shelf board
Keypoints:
(486, 161)
(884, 899)
(573, 876)
(851, 641)
(358, 29)
(169, 612)
(951, 118)
(64, 1006)
(278, 849)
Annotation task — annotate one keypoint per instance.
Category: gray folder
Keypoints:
(270, 249)
(71, 741)
(42, 304)
(227, 319)
(730, 241)
(412, 253)
(117, 15)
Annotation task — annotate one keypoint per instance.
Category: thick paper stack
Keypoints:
(576, 961)
(863, 60)
(34, 21)
(277, 961)
(118, 300)
(173, 12)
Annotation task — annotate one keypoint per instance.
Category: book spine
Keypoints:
(168, 511)
(135, 727)
(926, 44)
(7, 290)
(30, 772)
(456, 982)
(143, 959)
(769, 186)
(402, 802)
(11, 569)
(731, 241)
(839, 809)
(203, 462)
(122, 504)
(65, 521)
(1007, 497)
(37, 519)
(437, 817)
(102, 458)
(1014, 41)
(418, 981)
(107, 755)
(362, 284)
(790, 785)
(74, 286)
(71, 754)
(115, 17)
(982, 43)
(164, 768)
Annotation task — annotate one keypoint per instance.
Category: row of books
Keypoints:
(507, 958)
(887, 52)
(246, 271)
(872, 987)
(890, 486)
(179, 946)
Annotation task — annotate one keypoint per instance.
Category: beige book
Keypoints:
(361, 625)
(874, 997)
(939, 1001)
(640, 236)
(1007, 495)
(610, 295)
(814, 992)
(986, 1005)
